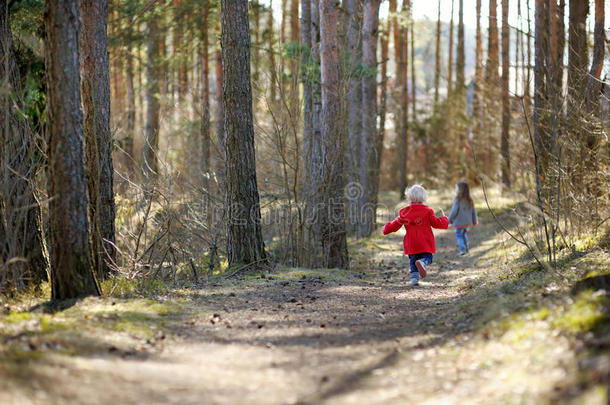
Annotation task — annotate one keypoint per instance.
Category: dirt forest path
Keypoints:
(302, 338)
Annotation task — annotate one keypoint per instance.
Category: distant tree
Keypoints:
(95, 87)
(505, 98)
(477, 103)
(71, 263)
(369, 154)
(492, 87)
(578, 59)
(333, 234)
(153, 104)
(244, 238)
(204, 129)
(437, 58)
(594, 84)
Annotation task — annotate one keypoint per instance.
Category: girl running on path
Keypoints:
(418, 220)
(462, 215)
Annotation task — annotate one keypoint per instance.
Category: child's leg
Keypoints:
(466, 239)
(426, 258)
(414, 272)
(459, 236)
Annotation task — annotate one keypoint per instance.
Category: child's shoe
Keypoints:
(414, 282)
(462, 252)
(422, 268)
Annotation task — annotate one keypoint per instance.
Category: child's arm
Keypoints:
(474, 216)
(392, 226)
(454, 210)
(438, 223)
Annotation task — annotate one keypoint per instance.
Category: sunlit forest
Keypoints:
(232, 202)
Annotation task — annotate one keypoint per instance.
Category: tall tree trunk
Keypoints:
(477, 101)
(594, 84)
(220, 127)
(151, 142)
(460, 96)
(413, 78)
(383, 98)
(437, 58)
(333, 235)
(95, 89)
(578, 60)
(505, 99)
(540, 87)
(271, 54)
(244, 238)
(369, 175)
(401, 103)
(256, 16)
(450, 58)
(492, 81)
(128, 141)
(21, 232)
(354, 110)
(71, 262)
(526, 91)
(204, 131)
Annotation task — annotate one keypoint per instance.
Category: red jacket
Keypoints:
(418, 219)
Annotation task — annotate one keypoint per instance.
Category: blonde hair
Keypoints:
(416, 193)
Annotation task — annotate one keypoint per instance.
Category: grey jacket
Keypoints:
(462, 215)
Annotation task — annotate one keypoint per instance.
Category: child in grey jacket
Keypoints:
(463, 215)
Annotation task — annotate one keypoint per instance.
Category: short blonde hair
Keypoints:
(416, 193)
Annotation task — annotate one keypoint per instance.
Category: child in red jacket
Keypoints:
(418, 220)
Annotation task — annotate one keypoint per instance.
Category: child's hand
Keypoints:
(442, 212)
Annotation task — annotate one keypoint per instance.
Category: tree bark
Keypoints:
(505, 98)
(244, 238)
(95, 88)
(354, 109)
(477, 102)
(540, 87)
(437, 58)
(204, 130)
(492, 82)
(383, 98)
(333, 235)
(220, 127)
(594, 84)
(151, 143)
(71, 263)
(578, 60)
(369, 154)
(271, 55)
(450, 57)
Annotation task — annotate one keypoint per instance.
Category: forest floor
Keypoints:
(486, 328)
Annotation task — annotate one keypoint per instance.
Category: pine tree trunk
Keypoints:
(354, 110)
(71, 264)
(220, 128)
(383, 98)
(540, 86)
(594, 84)
(437, 58)
(204, 130)
(413, 78)
(244, 238)
(450, 58)
(271, 55)
(128, 141)
(333, 235)
(95, 87)
(578, 60)
(369, 154)
(153, 73)
(492, 84)
(505, 98)
(478, 90)
(401, 101)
